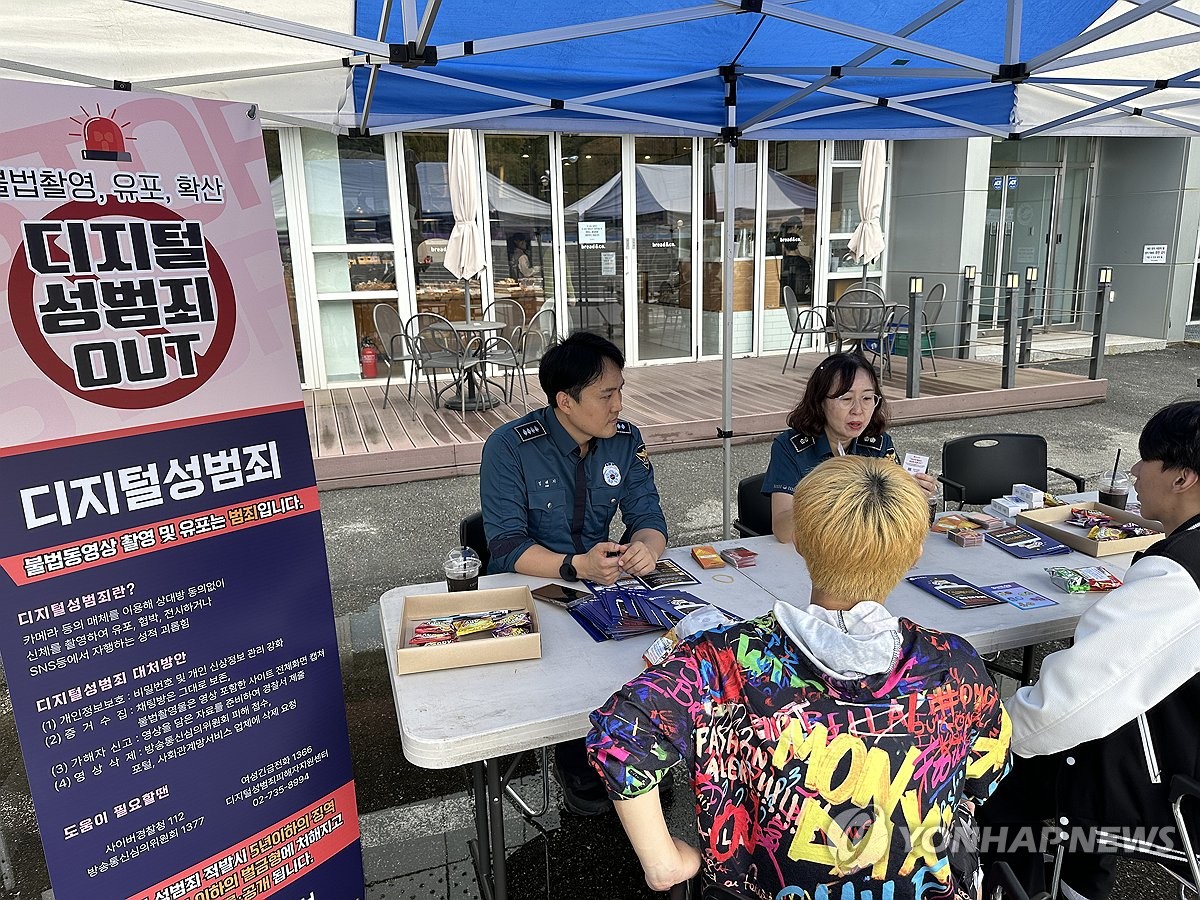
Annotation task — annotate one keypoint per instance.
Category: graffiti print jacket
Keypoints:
(813, 783)
(1118, 708)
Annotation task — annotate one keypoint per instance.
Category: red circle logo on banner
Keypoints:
(58, 355)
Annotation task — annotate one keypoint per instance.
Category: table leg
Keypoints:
(473, 400)
(487, 847)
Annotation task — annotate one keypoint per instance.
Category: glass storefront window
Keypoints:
(792, 239)
(664, 247)
(350, 224)
(430, 221)
(519, 221)
(744, 234)
(279, 201)
(365, 270)
(591, 180)
(346, 178)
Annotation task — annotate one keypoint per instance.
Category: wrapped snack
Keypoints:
(1106, 533)
(1089, 578)
(1049, 499)
(1133, 529)
(1087, 518)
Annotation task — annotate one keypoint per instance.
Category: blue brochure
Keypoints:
(1018, 595)
(1023, 542)
(953, 590)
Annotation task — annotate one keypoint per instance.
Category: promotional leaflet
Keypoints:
(166, 624)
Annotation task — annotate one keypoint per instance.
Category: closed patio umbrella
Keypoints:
(464, 251)
(867, 241)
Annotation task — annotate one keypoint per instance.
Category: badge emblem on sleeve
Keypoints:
(612, 474)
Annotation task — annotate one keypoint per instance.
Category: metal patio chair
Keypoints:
(436, 345)
(394, 347)
(805, 322)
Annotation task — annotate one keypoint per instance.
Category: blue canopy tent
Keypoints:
(725, 69)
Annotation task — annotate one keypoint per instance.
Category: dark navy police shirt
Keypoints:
(794, 455)
(530, 495)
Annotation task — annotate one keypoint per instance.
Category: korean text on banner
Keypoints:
(166, 623)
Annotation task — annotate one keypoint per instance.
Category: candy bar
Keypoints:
(1087, 518)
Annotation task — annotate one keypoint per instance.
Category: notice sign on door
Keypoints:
(591, 232)
(1154, 253)
(166, 624)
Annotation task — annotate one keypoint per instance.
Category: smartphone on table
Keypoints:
(559, 595)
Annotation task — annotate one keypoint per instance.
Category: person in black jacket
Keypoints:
(1113, 717)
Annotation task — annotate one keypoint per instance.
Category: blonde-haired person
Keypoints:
(830, 746)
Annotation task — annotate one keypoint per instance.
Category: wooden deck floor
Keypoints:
(356, 441)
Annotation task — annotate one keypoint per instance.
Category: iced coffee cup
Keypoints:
(462, 570)
(1114, 492)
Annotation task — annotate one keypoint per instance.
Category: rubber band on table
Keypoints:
(723, 578)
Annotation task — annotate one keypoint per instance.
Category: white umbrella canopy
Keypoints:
(867, 241)
(464, 252)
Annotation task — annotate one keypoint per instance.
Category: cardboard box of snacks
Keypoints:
(1051, 522)
(471, 650)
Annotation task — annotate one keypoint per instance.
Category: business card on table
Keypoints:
(915, 464)
(1018, 595)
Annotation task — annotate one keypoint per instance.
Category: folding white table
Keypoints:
(473, 716)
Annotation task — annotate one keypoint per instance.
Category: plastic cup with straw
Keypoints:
(1115, 492)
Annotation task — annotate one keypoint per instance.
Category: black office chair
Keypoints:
(1180, 848)
(1006, 886)
(754, 510)
(471, 534)
(980, 467)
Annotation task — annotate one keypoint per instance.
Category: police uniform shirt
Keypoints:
(794, 455)
(530, 494)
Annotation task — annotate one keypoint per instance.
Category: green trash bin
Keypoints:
(900, 342)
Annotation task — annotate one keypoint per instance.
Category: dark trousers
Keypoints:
(1015, 823)
(571, 757)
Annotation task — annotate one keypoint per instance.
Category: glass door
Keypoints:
(663, 269)
(744, 235)
(595, 259)
(1017, 235)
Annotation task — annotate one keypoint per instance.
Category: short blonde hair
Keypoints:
(859, 524)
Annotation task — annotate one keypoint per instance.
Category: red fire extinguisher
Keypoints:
(368, 358)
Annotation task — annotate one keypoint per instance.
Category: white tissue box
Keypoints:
(1034, 499)
(1009, 505)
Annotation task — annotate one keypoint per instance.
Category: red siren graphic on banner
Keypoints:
(103, 138)
(120, 300)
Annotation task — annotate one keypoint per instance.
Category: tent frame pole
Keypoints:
(729, 136)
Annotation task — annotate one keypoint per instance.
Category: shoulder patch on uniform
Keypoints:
(644, 455)
(529, 431)
(802, 442)
(890, 453)
(868, 441)
(624, 427)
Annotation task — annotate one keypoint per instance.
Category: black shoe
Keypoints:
(582, 796)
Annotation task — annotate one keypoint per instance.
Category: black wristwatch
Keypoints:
(567, 571)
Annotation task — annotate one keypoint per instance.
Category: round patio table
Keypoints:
(473, 400)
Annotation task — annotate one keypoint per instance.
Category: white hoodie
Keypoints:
(844, 644)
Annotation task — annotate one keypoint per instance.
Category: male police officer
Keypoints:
(550, 484)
